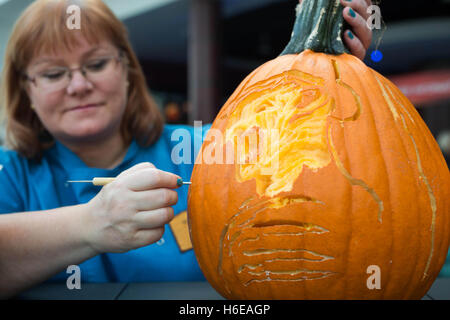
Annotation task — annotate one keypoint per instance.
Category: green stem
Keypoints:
(318, 27)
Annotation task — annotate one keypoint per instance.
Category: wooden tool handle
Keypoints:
(102, 181)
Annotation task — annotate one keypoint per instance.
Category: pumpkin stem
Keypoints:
(318, 27)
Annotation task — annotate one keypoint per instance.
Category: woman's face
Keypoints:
(87, 108)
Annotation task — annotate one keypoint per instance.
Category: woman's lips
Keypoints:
(85, 107)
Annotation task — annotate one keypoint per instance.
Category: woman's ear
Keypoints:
(27, 90)
(25, 85)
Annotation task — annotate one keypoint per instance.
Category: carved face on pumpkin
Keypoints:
(295, 105)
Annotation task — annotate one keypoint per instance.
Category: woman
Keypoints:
(77, 107)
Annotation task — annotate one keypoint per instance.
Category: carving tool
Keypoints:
(101, 181)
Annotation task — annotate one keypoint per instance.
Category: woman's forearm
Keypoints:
(37, 245)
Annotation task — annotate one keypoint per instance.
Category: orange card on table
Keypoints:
(180, 230)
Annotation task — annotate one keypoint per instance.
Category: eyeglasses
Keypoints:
(94, 70)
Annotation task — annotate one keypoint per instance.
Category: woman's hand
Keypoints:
(359, 38)
(131, 211)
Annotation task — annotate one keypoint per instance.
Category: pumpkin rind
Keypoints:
(373, 190)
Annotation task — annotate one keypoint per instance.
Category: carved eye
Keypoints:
(266, 126)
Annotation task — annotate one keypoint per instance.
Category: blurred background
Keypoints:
(196, 52)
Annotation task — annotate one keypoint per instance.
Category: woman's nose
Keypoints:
(79, 84)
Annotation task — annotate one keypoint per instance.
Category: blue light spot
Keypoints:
(376, 56)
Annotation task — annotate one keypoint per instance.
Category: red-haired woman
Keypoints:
(77, 107)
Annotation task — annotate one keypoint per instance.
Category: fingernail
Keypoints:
(179, 182)
(352, 13)
(348, 0)
(350, 34)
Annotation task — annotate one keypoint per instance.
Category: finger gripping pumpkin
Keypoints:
(325, 184)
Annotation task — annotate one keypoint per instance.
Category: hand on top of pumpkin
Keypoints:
(359, 38)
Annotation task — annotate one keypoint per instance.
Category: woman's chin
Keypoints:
(87, 134)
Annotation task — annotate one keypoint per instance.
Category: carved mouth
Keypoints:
(281, 223)
(251, 238)
(278, 263)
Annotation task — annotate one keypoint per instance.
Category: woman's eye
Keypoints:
(96, 65)
(53, 75)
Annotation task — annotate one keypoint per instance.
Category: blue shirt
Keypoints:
(29, 186)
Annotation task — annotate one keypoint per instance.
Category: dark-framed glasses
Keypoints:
(95, 70)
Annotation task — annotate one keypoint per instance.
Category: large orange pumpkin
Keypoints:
(347, 199)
